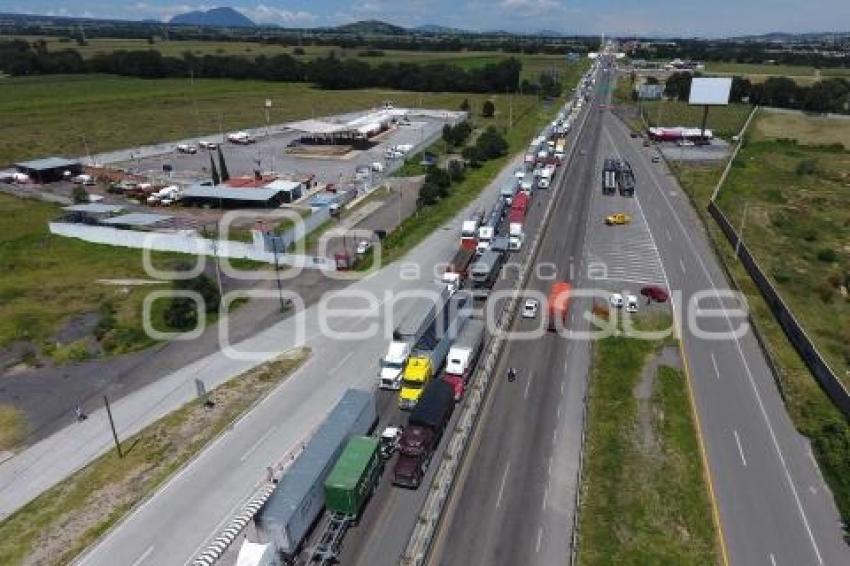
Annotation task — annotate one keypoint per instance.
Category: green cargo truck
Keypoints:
(354, 477)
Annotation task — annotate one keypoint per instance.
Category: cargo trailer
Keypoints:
(354, 477)
(298, 499)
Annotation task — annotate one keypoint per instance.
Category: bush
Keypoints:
(465, 105)
(429, 194)
(488, 110)
(491, 144)
(79, 194)
(827, 255)
(807, 167)
(298, 51)
(825, 292)
(456, 172)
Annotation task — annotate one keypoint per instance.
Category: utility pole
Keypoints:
(268, 107)
(112, 426)
(741, 230)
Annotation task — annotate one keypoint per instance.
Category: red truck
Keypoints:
(463, 356)
(460, 262)
(520, 202)
(559, 305)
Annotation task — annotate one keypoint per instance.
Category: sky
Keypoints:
(711, 18)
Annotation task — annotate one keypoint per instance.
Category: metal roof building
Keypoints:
(270, 196)
(136, 220)
(49, 169)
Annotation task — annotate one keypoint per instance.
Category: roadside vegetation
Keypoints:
(64, 520)
(792, 219)
(644, 493)
(13, 427)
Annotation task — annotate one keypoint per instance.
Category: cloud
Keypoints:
(531, 7)
(264, 14)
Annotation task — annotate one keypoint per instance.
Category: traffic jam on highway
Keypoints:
(429, 363)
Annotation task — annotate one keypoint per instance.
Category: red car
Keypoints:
(655, 293)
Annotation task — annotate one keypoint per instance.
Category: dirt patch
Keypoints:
(77, 328)
(666, 356)
(15, 353)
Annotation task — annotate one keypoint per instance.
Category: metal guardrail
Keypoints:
(416, 552)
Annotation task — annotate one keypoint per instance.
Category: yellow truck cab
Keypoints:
(417, 373)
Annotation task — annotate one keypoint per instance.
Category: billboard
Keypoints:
(710, 92)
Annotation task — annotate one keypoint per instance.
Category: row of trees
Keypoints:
(745, 52)
(828, 95)
(20, 58)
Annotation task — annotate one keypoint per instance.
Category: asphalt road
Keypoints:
(516, 497)
(773, 503)
(173, 525)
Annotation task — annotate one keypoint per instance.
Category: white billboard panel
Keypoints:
(711, 92)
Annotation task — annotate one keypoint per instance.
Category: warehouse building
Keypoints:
(49, 169)
(272, 195)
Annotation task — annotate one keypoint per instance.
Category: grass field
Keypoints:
(806, 129)
(50, 115)
(812, 412)
(63, 521)
(644, 497)
(724, 121)
(49, 279)
(759, 69)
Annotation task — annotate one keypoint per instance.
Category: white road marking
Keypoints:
(256, 445)
(772, 559)
(549, 467)
(528, 384)
(545, 498)
(804, 518)
(342, 362)
(714, 363)
(740, 448)
(562, 386)
(813, 489)
(539, 538)
(682, 263)
(669, 237)
(558, 412)
(144, 556)
(502, 486)
(554, 436)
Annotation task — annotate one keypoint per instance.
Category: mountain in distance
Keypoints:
(438, 29)
(373, 27)
(217, 17)
(548, 33)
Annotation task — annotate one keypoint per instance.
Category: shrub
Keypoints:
(488, 110)
(806, 167)
(825, 292)
(827, 255)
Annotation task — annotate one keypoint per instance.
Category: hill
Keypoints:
(217, 17)
(373, 27)
(438, 29)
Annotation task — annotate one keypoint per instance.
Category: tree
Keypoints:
(429, 194)
(448, 136)
(491, 144)
(298, 51)
(79, 194)
(488, 110)
(472, 155)
(741, 89)
(464, 106)
(222, 166)
(456, 170)
(678, 86)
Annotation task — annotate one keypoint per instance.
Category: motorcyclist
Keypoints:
(511, 374)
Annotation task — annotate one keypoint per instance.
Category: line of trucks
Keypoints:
(433, 353)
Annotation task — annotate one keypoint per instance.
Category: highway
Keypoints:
(516, 499)
(773, 504)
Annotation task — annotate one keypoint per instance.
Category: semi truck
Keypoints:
(485, 270)
(508, 191)
(626, 179)
(352, 481)
(422, 434)
(559, 305)
(460, 262)
(463, 356)
(419, 317)
(286, 517)
(427, 358)
(610, 174)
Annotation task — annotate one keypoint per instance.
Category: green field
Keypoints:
(806, 129)
(50, 115)
(49, 279)
(759, 69)
(724, 121)
(812, 412)
(644, 497)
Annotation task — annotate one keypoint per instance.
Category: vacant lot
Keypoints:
(798, 215)
(759, 69)
(57, 114)
(49, 282)
(63, 521)
(806, 129)
(724, 121)
(812, 412)
(644, 494)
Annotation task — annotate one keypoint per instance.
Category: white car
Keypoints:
(83, 180)
(186, 148)
(616, 300)
(529, 309)
(207, 144)
(363, 247)
(631, 303)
